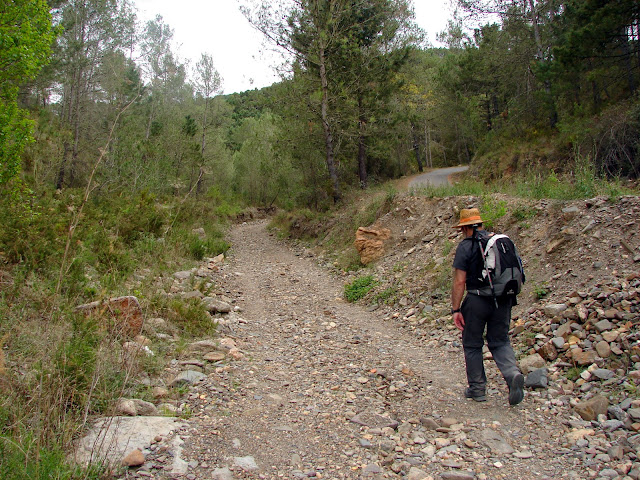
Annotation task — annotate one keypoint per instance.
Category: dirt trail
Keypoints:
(313, 362)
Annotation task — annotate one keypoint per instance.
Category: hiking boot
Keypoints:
(516, 389)
(474, 396)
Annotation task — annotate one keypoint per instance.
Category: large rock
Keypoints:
(122, 315)
(112, 439)
(215, 305)
(188, 377)
(548, 351)
(531, 363)
(590, 409)
(584, 358)
(553, 309)
(370, 243)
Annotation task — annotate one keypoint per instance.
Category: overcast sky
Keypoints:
(217, 27)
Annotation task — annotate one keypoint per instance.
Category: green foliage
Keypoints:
(349, 260)
(492, 210)
(27, 461)
(190, 316)
(357, 289)
(386, 296)
(26, 35)
(264, 174)
(210, 247)
(541, 290)
(524, 212)
(448, 247)
(574, 373)
(580, 182)
(76, 359)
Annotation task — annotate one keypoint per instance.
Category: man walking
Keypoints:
(478, 312)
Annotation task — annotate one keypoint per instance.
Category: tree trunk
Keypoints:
(416, 148)
(328, 137)
(553, 114)
(204, 126)
(488, 117)
(362, 156)
(63, 165)
(628, 64)
(428, 140)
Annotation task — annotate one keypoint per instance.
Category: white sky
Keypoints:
(217, 27)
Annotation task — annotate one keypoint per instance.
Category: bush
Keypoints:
(357, 289)
(211, 247)
(191, 317)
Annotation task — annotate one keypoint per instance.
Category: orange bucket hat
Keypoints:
(469, 216)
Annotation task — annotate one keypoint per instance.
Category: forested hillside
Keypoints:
(120, 160)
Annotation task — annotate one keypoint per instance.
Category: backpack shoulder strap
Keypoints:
(492, 239)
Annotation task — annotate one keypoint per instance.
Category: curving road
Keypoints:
(439, 176)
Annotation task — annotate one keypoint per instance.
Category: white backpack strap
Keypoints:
(493, 239)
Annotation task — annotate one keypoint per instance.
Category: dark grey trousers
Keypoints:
(480, 313)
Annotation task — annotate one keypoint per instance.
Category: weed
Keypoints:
(444, 278)
(524, 212)
(357, 289)
(29, 461)
(199, 248)
(540, 290)
(349, 260)
(574, 373)
(447, 247)
(190, 316)
(387, 296)
(492, 210)
(399, 267)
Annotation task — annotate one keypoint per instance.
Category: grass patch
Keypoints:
(387, 296)
(357, 289)
(540, 290)
(573, 373)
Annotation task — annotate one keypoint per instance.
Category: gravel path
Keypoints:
(313, 362)
(437, 177)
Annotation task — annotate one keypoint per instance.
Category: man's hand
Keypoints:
(458, 319)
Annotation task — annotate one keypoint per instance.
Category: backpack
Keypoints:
(502, 273)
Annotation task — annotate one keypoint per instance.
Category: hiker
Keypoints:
(478, 311)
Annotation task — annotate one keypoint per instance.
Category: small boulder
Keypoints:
(370, 243)
(133, 459)
(537, 379)
(590, 409)
(553, 309)
(531, 363)
(188, 377)
(214, 305)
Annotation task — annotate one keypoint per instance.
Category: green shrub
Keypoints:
(211, 247)
(574, 373)
(357, 289)
(492, 210)
(387, 296)
(524, 212)
(540, 290)
(191, 317)
(447, 247)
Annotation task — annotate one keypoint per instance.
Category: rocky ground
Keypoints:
(303, 384)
